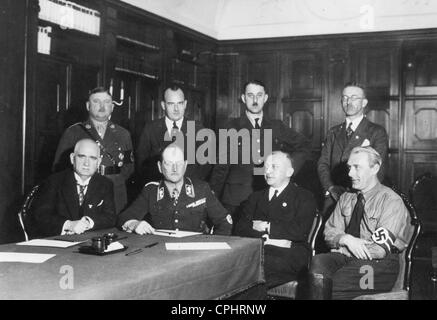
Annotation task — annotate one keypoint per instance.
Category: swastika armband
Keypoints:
(385, 239)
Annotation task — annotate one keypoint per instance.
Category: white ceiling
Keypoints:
(248, 19)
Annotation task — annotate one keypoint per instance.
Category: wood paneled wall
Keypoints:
(305, 76)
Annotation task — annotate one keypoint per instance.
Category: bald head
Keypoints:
(278, 169)
(172, 164)
(85, 158)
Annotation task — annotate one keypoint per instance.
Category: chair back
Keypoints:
(403, 281)
(315, 228)
(423, 195)
(22, 214)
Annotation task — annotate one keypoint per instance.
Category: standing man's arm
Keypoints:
(324, 163)
(128, 168)
(144, 148)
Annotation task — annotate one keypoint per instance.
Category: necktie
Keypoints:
(81, 193)
(175, 195)
(174, 131)
(349, 130)
(275, 195)
(257, 124)
(357, 215)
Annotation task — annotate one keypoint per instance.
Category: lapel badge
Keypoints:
(120, 164)
(90, 206)
(357, 137)
(112, 126)
(189, 189)
(284, 204)
(88, 126)
(160, 193)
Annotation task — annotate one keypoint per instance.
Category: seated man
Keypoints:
(283, 215)
(176, 202)
(74, 201)
(365, 232)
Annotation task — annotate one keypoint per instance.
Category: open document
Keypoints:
(49, 243)
(25, 257)
(174, 233)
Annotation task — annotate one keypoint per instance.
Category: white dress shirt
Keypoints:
(252, 118)
(169, 124)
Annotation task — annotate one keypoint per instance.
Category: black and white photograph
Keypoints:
(222, 157)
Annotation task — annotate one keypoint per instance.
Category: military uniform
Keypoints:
(116, 150)
(194, 208)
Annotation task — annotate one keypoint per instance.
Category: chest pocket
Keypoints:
(196, 217)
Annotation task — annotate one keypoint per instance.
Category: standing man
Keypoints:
(368, 228)
(175, 202)
(341, 139)
(114, 141)
(235, 182)
(74, 201)
(153, 141)
(283, 215)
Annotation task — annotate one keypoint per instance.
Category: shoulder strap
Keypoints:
(99, 142)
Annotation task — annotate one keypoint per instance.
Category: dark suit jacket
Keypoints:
(152, 143)
(291, 215)
(57, 201)
(235, 182)
(332, 165)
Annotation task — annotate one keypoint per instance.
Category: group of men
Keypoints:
(255, 198)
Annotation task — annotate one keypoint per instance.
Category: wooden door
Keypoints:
(52, 100)
(420, 136)
(301, 94)
(377, 69)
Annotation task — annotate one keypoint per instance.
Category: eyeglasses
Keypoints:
(351, 98)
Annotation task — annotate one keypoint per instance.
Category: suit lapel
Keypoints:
(160, 129)
(340, 138)
(358, 136)
(71, 198)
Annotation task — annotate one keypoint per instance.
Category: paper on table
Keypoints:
(25, 257)
(174, 233)
(49, 243)
(197, 246)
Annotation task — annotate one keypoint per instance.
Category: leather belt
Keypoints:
(106, 171)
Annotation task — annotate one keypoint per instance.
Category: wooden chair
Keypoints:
(402, 287)
(22, 214)
(288, 290)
